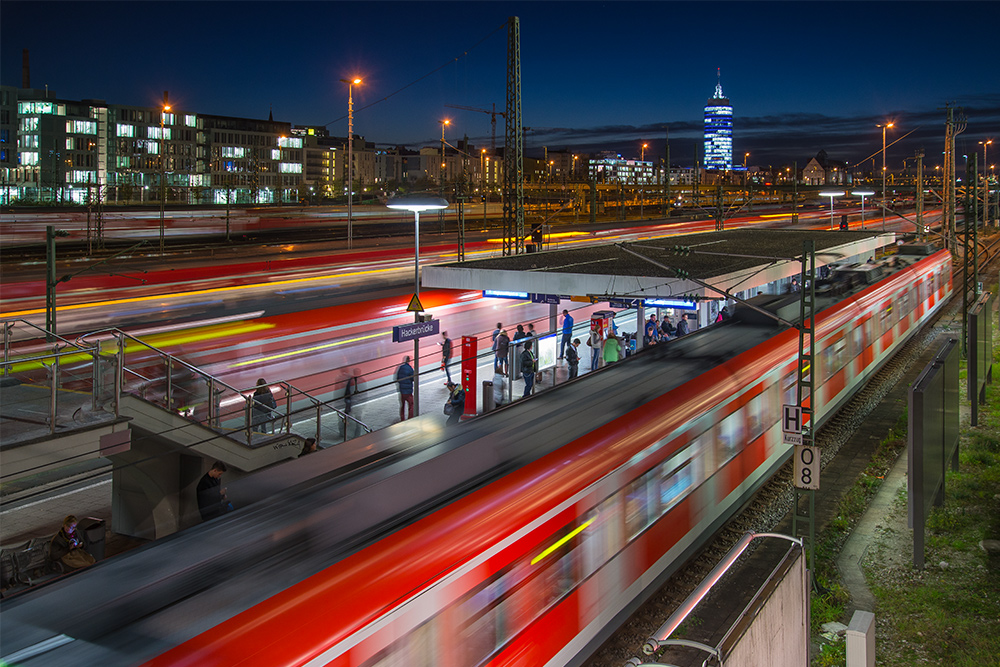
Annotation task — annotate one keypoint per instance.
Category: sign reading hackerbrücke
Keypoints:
(405, 332)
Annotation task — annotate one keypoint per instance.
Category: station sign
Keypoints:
(552, 299)
(499, 294)
(806, 468)
(405, 332)
(624, 303)
(679, 304)
(791, 424)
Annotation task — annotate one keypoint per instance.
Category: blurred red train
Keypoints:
(538, 566)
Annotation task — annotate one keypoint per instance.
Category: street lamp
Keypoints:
(862, 194)
(350, 156)
(642, 153)
(986, 184)
(163, 172)
(417, 203)
(884, 126)
(831, 194)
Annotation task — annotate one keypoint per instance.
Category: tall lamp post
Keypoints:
(417, 203)
(642, 153)
(831, 194)
(350, 157)
(862, 194)
(986, 184)
(163, 172)
(884, 126)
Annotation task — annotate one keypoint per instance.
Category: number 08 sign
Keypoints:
(806, 467)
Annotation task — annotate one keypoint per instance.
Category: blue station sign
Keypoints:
(405, 332)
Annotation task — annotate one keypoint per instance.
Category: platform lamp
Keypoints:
(831, 194)
(416, 204)
(863, 194)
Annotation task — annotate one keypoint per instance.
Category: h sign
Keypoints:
(791, 424)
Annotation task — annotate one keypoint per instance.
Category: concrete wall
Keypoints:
(778, 635)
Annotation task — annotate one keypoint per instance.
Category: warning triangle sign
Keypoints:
(415, 305)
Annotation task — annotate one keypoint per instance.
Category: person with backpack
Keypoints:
(527, 368)
(651, 333)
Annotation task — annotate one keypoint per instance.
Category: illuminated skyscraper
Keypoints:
(719, 130)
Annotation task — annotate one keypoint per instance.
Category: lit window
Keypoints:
(126, 130)
(69, 143)
(290, 142)
(191, 121)
(233, 151)
(81, 127)
(26, 108)
(275, 153)
(290, 168)
(29, 157)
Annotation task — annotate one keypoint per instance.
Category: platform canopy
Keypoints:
(730, 260)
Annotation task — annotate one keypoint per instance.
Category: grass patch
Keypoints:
(949, 613)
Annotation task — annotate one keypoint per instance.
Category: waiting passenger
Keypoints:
(682, 327)
(263, 407)
(67, 547)
(499, 389)
(527, 368)
(212, 500)
(612, 349)
(309, 447)
(456, 403)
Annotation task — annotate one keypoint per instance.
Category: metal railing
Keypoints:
(170, 382)
(48, 375)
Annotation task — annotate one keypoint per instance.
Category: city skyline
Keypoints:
(593, 78)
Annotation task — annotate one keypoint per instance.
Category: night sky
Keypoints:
(801, 76)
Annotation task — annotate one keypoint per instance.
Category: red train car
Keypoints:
(533, 568)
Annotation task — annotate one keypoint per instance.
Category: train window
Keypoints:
(869, 334)
(885, 319)
(418, 648)
(755, 417)
(772, 406)
(839, 356)
(637, 514)
(674, 484)
(788, 386)
(729, 436)
(602, 539)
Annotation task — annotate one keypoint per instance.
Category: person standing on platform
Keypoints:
(612, 349)
(499, 389)
(502, 348)
(573, 358)
(567, 332)
(527, 368)
(651, 333)
(531, 330)
(212, 501)
(404, 381)
(682, 327)
(519, 334)
(446, 355)
(595, 343)
(456, 399)
(263, 407)
(496, 332)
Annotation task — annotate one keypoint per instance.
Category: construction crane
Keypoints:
(493, 120)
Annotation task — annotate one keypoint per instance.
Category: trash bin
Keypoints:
(488, 404)
(93, 531)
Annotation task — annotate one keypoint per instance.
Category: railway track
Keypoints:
(774, 501)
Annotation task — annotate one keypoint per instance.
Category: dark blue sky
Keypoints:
(802, 76)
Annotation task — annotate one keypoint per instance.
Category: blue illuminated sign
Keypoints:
(672, 303)
(497, 294)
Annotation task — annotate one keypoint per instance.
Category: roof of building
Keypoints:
(733, 260)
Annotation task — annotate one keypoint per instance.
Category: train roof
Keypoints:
(737, 259)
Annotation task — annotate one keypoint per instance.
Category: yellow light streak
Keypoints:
(214, 290)
(285, 355)
(194, 335)
(566, 538)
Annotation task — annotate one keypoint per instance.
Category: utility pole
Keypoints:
(795, 193)
(667, 204)
(513, 154)
(920, 193)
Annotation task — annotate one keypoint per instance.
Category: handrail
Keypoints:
(218, 386)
